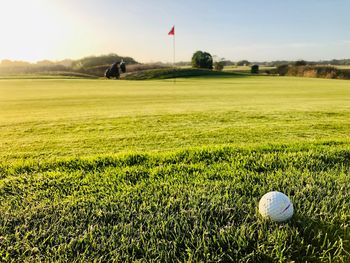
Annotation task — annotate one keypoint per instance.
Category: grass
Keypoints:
(63, 118)
(187, 206)
(156, 170)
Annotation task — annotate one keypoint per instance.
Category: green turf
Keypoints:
(156, 170)
(189, 205)
(55, 118)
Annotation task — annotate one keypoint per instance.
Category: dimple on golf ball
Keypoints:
(276, 206)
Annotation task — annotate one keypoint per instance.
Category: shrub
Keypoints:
(315, 72)
(310, 73)
(219, 65)
(327, 72)
(254, 69)
(282, 70)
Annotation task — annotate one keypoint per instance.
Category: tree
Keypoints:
(202, 59)
(93, 61)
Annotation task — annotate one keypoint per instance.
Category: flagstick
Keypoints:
(174, 58)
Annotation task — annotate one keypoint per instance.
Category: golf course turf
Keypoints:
(169, 171)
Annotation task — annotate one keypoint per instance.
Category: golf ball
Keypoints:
(276, 206)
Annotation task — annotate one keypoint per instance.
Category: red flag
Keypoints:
(172, 31)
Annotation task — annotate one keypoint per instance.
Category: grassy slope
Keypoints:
(169, 73)
(173, 202)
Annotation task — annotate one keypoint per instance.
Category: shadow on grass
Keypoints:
(170, 73)
(323, 236)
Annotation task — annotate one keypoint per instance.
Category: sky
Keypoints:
(255, 30)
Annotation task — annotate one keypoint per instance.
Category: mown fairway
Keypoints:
(55, 118)
(152, 170)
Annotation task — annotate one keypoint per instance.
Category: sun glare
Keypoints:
(37, 30)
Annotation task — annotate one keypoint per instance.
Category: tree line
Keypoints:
(96, 65)
(89, 65)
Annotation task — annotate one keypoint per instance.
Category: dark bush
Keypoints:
(254, 69)
(300, 63)
(282, 70)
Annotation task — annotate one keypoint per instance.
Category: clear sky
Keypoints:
(256, 30)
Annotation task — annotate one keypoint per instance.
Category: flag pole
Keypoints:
(172, 33)
(174, 56)
(174, 50)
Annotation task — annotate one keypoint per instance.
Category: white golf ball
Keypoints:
(276, 206)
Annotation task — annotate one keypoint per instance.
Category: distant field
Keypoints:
(162, 170)
(343, 67)
(245, 69)
(49, 75)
